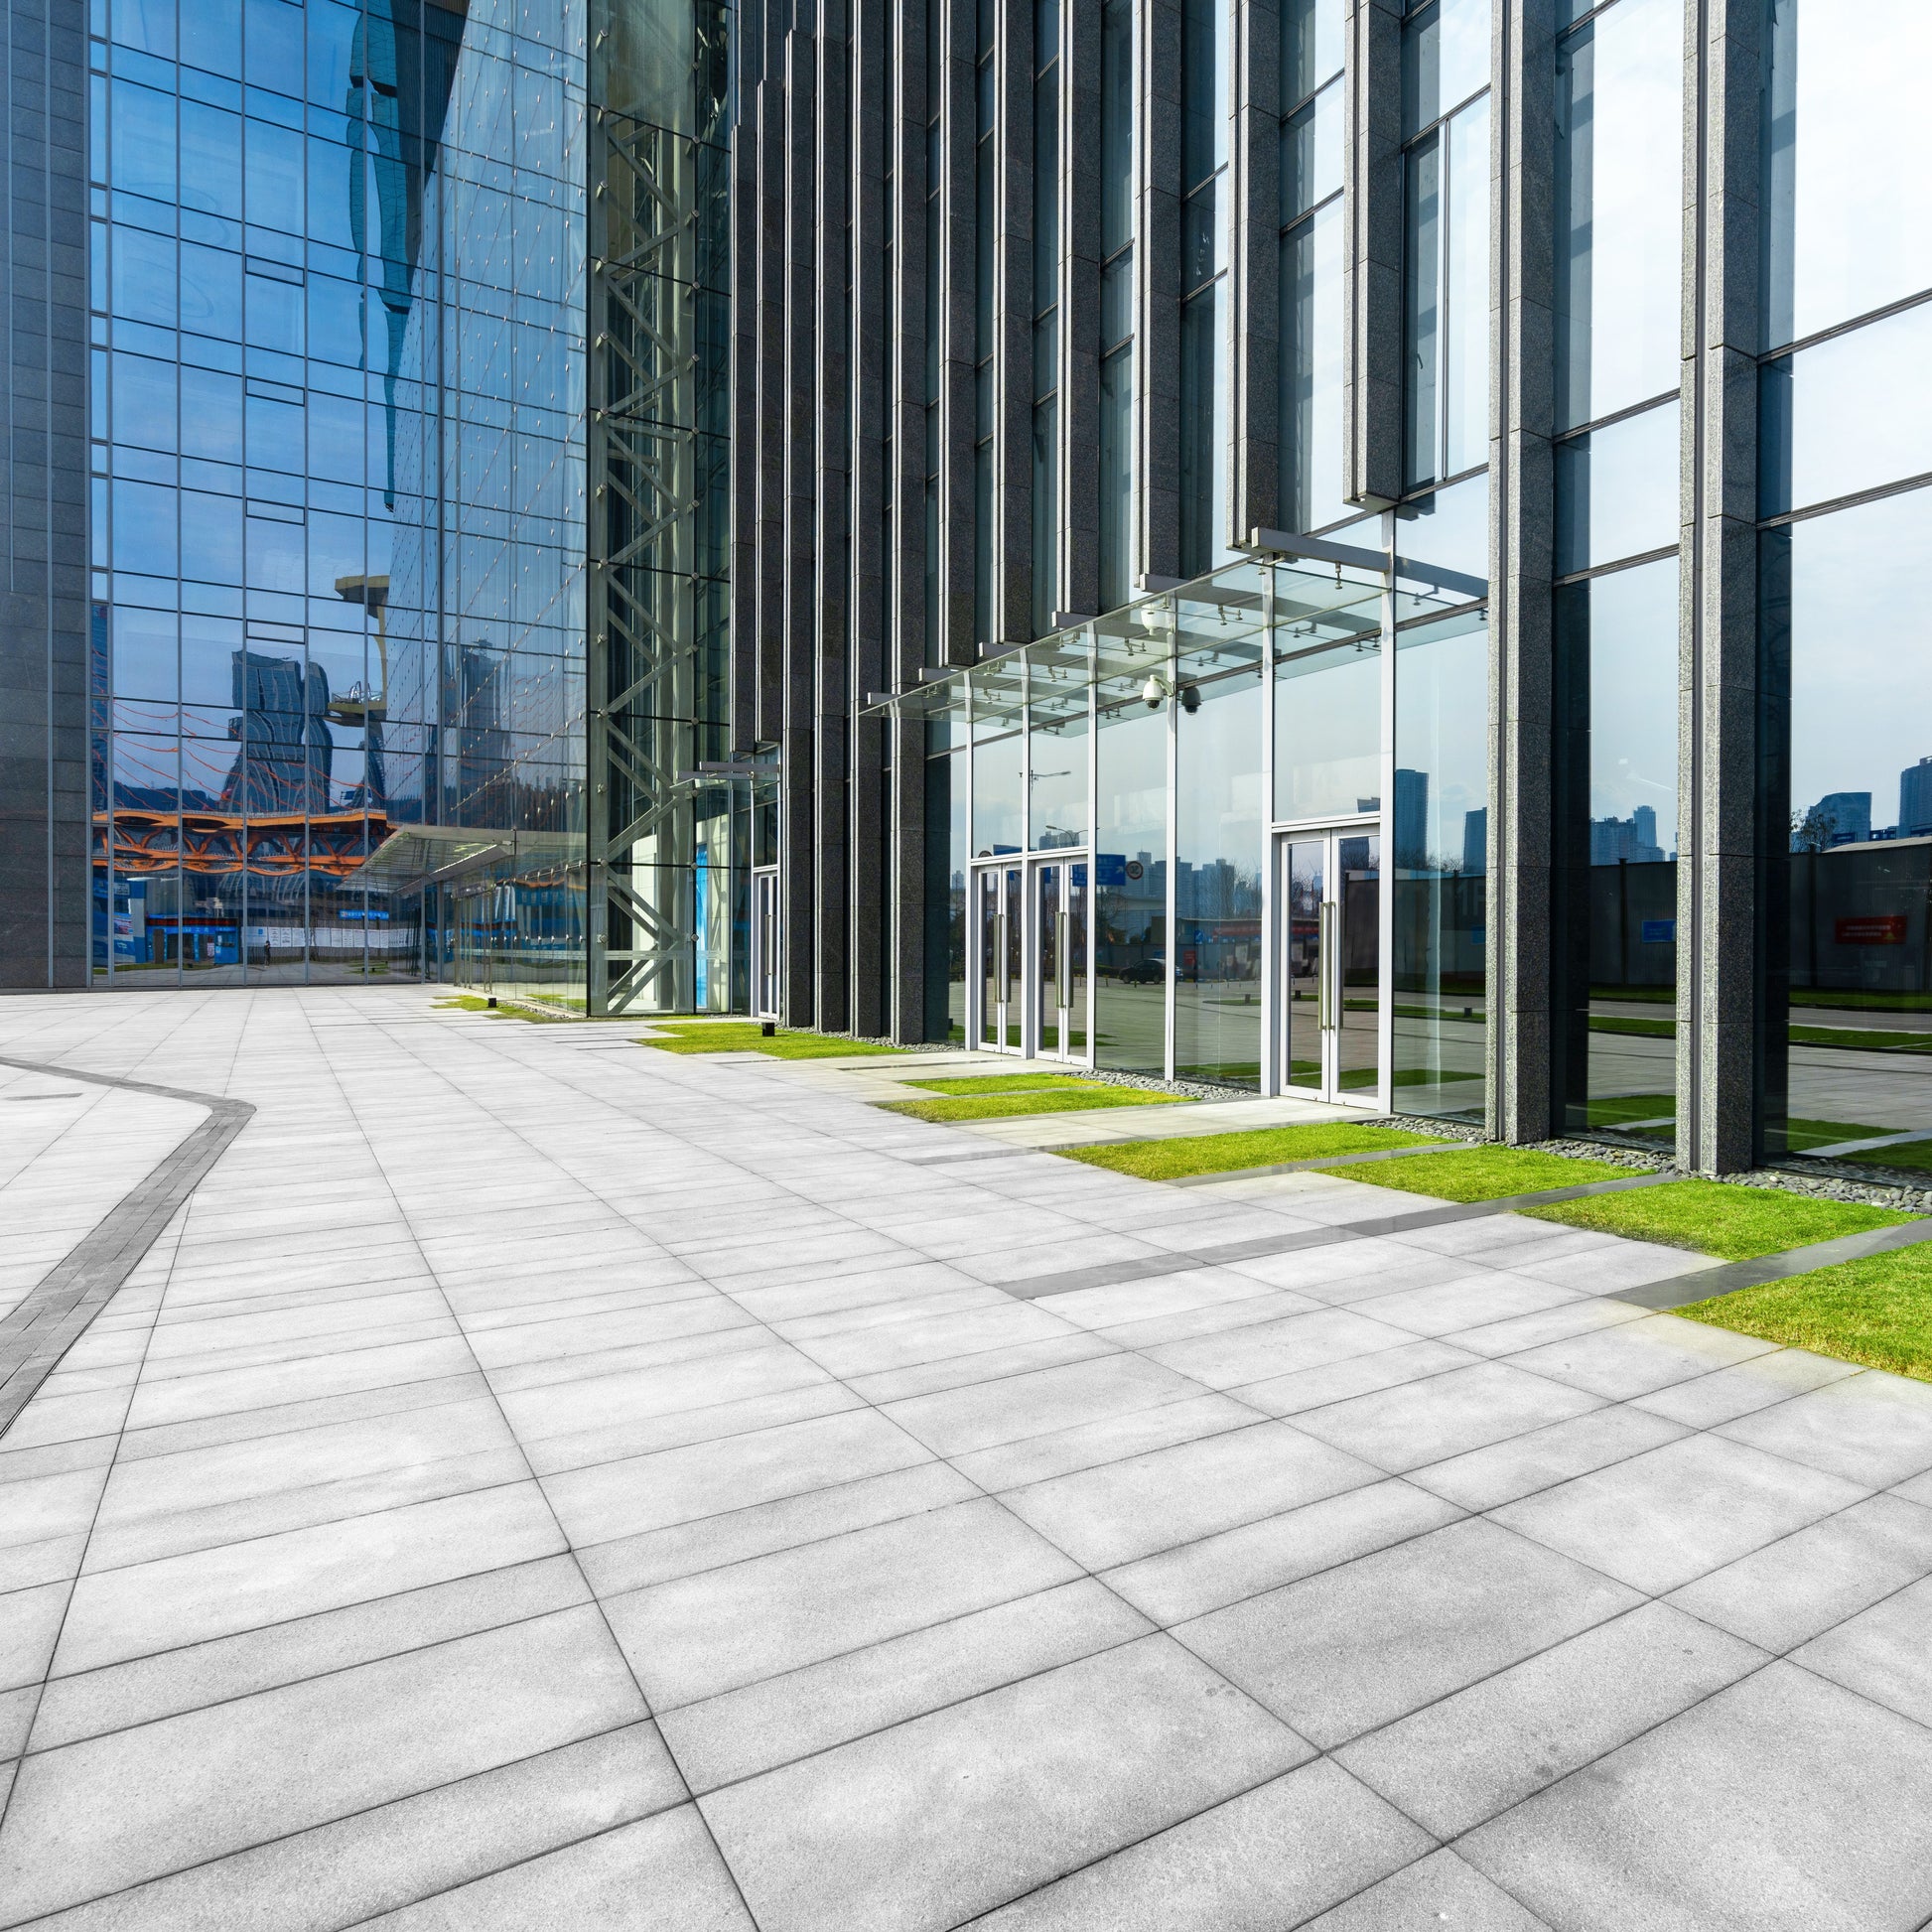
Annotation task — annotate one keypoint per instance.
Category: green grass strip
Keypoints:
(1710, 1218)
(1003, 1106)
(1230, 1152)
(1855, 1036)
(1010, 1084)
(744, 1036)
(477, 1003)
(1484, 1173)
(1616, 1023)
(1878, 1311)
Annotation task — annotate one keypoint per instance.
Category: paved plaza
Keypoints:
(538, 1483)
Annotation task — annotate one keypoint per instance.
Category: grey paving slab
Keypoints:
(1354, 1648)
(967, 1808)
(1831, 1831)
(1873, 1427)
(1439, 1889)
(1882, 1653)
(1659, 1519)
(1264, 1859)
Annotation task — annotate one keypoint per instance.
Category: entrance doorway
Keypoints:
(1031, 920)
(764, 943)
(1060, 901)
(1328, 887)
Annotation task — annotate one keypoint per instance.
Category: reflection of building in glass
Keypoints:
(1839, 818)
(1915, 799)
(1626, 841)
(1475, 840)
(1411, 817)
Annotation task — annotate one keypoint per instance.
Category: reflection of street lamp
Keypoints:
(372, 594)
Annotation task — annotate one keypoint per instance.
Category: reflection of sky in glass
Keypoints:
(1849, 214)
(1633, 696)
(1861, 652)
(1617, 491)
(1442, 728)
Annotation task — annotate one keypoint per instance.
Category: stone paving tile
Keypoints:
(502, 1378)
(964, 1809)
(1831, 1831)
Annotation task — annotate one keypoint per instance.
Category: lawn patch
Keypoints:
(1711, 1218)
(1009, 1083)
(1003, 1106)
(1878, 1311)
(747, 1036)
(1484, 1174)
(1230, 1152)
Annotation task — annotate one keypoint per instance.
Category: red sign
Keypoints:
(1872, 930)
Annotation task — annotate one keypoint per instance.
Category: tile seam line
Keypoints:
(549, 1506)
(106, 1256)
(368, 1811)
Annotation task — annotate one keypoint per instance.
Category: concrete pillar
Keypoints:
(1372, 356)
(1521, 557)
(1720, 985)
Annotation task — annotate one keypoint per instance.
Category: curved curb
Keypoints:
(60, 1309)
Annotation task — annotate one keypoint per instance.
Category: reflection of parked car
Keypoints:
(1150, 971)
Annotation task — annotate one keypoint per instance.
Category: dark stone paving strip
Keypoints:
(1700, 1285)
(1112, 1274)
(58, 1312)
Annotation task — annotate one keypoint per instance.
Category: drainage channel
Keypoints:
(59, 1310)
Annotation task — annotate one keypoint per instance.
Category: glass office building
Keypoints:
(1351, 550)
(406, 457)
(1362, 550)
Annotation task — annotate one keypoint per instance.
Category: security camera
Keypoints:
(1152, 692)
(1190, 698)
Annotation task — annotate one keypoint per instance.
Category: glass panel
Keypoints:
(1311, 46)
(1073, 970)
(1616, 491)
(1058, 774)
(1846, 673)
(948, 851)
(1203, 439)
(1619, 95)
(1218, 877)
(1304, 878)
(1437, 976)
(1116, 479)
(1131, 882)
(996, 789)
(1615, 916)
(1311, 372)
(1445, 60)
(1846, 415)
(1048, 936)
(1328, 731)
(1205, 101)
(993, 986)
(1465, 342)
(1045, 515)
(1116, 125)
(1845, 96)
(1359, 895)
(1447, 532)
(1422, 280)
(1312, 153)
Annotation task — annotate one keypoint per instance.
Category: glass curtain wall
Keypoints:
(986, 175)
(1047, 314)
(1205, 211)
(1845, 652)
(1131, 874)
(1116, 440)
(1313, 134)
(1618, 207)
(1445, 268)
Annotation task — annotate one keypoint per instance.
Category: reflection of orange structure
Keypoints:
(147, 842)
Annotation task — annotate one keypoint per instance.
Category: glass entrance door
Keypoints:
(1059, 979)
(1329, 892)
(764, 943)
(999, 911)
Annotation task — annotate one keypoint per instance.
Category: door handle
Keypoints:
(1004, 981)
(1063, 963)
(1325, 965)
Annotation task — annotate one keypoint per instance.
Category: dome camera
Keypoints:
(1152, 692)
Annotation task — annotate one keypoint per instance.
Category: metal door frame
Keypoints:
(1331, 989)
(1036, 977)
(767, 950)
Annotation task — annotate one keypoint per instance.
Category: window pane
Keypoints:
(1204, 91)
(1422, 270)
(1116, 478)
(1312, 153)
(1846, 669)
(1328, 732)
(1057, 776)
(1445, 60)
(1847, 103)
(1846, 414)
(1311, 46)
(1311, 372)
(1217, 879)
(1618, 209)
(1466, 347)
(1616, 850)
(1203, 452)
(1617, 491)
(1116, 125)
(1131, 884)
(1436, 972)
